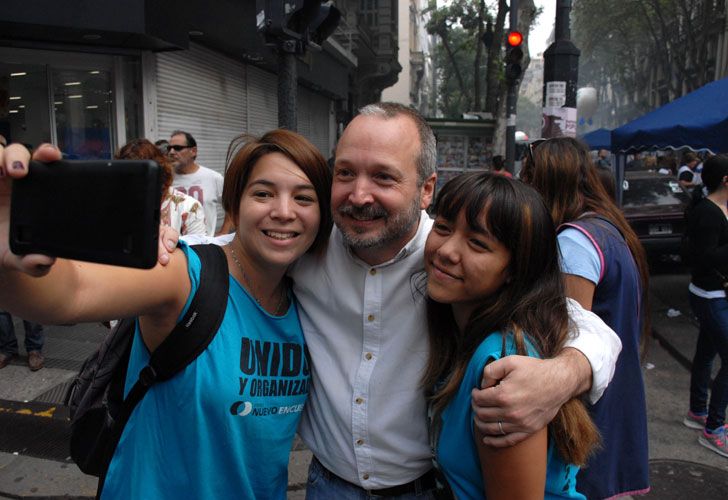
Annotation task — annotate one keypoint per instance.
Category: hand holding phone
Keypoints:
(14, 165)
(100, 211)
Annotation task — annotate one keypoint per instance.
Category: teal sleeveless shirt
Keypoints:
(224, 426)
(456, 452)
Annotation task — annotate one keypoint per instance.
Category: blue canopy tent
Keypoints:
(698, 120)
(600, 138)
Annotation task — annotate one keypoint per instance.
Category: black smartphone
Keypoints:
(104, 211)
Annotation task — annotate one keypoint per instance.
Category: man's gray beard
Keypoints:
(395, 228)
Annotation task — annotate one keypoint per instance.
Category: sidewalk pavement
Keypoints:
(680, 467)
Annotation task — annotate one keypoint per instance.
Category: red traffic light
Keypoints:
(515, 39)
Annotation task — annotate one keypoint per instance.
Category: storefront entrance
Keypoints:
(85, 104)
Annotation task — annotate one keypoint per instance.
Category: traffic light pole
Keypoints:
(290, 27)
(511, 100)
(560, 76)
(287, 85)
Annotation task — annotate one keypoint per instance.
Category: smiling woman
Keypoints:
(232, 435)
(494, 289)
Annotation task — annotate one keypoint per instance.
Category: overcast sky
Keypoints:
(543, 27)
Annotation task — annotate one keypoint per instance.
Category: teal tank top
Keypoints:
(224, 426)
(456, 452)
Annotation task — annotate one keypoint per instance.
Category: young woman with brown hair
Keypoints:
(606, 271)
(223, 426)
(494, 289)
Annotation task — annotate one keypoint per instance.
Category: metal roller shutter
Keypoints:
(320, 126)
(304, 113)
(313, 109)
(204, 93)
(262, 101)
(313, 119)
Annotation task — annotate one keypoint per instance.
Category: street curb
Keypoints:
(672, 350)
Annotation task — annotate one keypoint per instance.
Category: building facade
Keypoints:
(414, 86)
(89, 76)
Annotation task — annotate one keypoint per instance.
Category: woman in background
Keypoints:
(606, 271)
(178, 210)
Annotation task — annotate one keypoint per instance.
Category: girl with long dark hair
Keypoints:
(606, 271)
(494, 288)
(708, 241)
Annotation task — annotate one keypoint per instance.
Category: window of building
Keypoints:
(83, 113)
(86, 104)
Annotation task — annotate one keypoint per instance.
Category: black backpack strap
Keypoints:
(198, 327)
(195, 330)
(188, 339)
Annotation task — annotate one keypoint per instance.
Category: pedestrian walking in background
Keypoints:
(223, 427)
(499, 166)
(606, 271)
(203, 184)
(687, 174)
(667, 164)
(34, 340)
(178, 210)
(603, 159)
(163, 146)
(707, 230)
(488, 299)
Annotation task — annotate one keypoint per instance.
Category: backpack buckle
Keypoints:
(147, 376)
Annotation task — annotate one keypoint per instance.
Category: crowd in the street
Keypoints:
(490, 347)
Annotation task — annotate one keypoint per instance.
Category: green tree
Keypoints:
(460, 55)
(459, 27)
(629, 45)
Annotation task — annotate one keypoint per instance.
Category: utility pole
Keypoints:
(287, 84)
(291, 27)
(560, 76)
(513, 73)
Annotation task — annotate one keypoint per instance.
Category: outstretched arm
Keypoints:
(530, 391)
(62, 291)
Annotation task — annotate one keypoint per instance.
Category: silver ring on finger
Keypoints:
(500, 427)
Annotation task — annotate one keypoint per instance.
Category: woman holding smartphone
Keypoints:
(183, 440)
(494, 289)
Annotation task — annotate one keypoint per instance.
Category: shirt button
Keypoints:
(365, 477)
(359, 442)
(368, 355)
(370, 317)
(358, 401)
(372, 272)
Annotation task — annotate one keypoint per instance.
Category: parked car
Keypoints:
(654, 205)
